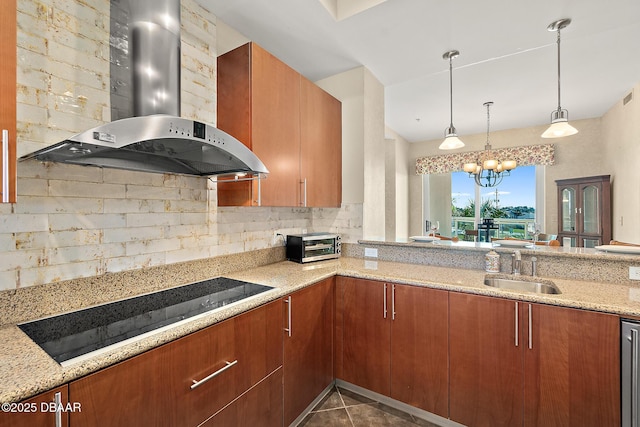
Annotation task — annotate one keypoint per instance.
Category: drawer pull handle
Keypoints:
(57, 398)
(215, 374)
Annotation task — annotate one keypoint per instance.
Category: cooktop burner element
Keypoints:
(71, 335)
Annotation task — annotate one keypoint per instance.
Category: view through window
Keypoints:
(511, 204)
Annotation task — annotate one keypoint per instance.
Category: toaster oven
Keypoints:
(313, 247)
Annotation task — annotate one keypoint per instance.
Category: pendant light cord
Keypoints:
(559, 107)
(451, 92)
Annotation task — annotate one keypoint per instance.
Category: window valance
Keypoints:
(539, 155)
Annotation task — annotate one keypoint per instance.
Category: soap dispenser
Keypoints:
(492, 262)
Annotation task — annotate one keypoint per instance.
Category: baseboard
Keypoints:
(428, 416)
(312, 405)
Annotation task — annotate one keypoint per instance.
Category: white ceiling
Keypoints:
(506, 55)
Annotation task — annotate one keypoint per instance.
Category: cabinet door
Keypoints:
(8, 34)
(308, 346)
(568, 210)
(584, 211)
(486, 366)
(420, 348)
(365, 333)
(154, 388)
(260, 406)
(320, 146)
(572, 368)
(259, 103)
(40, 410)
(275, 127)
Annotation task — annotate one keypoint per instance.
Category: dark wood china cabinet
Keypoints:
(584, 211)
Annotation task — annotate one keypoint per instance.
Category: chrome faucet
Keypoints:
(534, 266)
(516, 262)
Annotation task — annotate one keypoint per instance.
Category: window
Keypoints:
(511, 203)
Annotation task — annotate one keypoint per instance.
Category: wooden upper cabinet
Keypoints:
(321, 146)
(8, 35)
(274, 111)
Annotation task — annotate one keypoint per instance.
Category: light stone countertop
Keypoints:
(27, 370)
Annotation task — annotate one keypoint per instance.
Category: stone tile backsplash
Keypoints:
(78, 222)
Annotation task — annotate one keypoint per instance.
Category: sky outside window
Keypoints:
(517, 189)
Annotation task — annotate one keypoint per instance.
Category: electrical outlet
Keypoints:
(634, 273)
(371, 252)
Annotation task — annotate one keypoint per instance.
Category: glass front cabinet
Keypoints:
(584, 211)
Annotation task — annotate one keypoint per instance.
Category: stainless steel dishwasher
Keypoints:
(630, 348)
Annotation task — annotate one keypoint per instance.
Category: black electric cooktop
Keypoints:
(68, 336)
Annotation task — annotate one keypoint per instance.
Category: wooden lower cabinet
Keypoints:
(572, 368)
(260, 406)
(155, 388)
(515, 363)
(49, 409)
(486, 368)
(308, 346)
(393, 340)
(420, 348)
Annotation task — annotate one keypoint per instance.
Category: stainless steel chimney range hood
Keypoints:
(156, 139)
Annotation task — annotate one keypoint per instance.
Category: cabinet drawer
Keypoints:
(260, 406)
(188, 380)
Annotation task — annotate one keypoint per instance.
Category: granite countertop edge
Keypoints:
(27, 370)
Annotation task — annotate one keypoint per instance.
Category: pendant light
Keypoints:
(489, 171)
(559, 118)
(451, 140)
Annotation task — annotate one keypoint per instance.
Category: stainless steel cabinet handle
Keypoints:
(215, 374)
(393, 302)
(516, 334)
(304, 192)
(259, 191)
(530, 330)
(288, 302)
(57, 399)
(384, 302)
(635, 354)
(5, 166)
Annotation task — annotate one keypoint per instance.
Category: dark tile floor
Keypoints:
(344, 408)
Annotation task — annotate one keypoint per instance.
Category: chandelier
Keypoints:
(489, 171)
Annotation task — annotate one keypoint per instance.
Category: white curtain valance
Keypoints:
(539, 155)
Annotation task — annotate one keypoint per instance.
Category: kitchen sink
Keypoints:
(522, 285)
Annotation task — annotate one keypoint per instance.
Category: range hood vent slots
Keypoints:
(156, 139)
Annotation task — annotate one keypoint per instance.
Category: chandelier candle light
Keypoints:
(451, 140)
(489, 171)
(559, 118)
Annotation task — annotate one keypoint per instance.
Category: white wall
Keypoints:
(621, 138)
(363, 177)
(397, 171)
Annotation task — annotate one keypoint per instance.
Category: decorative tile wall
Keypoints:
(72, 221)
